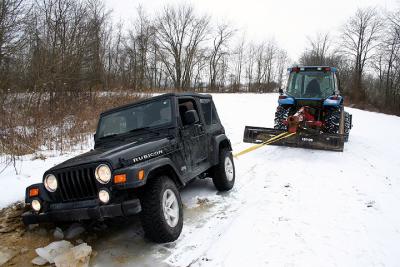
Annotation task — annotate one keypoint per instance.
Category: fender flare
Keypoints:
(216, 142)
(162, 165)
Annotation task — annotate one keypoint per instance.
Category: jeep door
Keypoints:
(212, 123)
(193, 136)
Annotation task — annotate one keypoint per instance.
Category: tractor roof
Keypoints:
(312, 68)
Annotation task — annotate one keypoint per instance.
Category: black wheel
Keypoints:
(347, 125)
(162, 215)
(332, 121)
(223, 174)
(281, 115)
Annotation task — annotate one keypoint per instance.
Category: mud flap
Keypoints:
(324, 141)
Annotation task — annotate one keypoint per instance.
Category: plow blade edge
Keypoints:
(324, 141)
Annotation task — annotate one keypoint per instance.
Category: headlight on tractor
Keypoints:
(103, 173)
(50, 182)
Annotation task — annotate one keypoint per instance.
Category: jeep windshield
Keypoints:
(311, 84)
(136, 118)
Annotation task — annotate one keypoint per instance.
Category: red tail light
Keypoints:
(327, 69)
(335, 97)
(282, 97)
(296, 69)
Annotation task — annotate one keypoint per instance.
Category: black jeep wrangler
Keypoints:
(143, 153)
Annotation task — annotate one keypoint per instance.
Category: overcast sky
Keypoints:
(288, 22)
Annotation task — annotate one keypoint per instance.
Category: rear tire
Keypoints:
(162, 214)
(281, 115)
(347, 125)
(223, 174)
(332, 121)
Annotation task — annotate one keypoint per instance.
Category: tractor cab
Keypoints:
(312, 86)
(312, 82)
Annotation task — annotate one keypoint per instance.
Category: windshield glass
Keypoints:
(316, 84)
(153, 114)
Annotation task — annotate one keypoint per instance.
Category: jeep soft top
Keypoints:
(144, 152)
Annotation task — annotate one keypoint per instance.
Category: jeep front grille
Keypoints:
(77, 184)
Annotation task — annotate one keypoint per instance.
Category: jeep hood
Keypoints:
(114, 155)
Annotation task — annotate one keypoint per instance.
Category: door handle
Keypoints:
(200, 128)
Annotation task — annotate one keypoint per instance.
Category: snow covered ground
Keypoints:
(289, 206)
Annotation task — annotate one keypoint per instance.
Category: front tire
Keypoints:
(162, 214)
(224, 173)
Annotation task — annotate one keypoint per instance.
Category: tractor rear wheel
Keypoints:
(347, 125)
(332, 121)
(281, 115)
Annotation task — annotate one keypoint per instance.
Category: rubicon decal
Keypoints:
(148, 156)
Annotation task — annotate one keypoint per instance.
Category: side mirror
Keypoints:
(280, 91)
(191, 117)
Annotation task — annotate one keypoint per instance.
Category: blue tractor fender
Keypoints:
(286, 101)
(333, 101)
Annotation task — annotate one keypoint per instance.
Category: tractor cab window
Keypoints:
(311, 84)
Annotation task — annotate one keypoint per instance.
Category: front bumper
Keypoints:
(125, 208)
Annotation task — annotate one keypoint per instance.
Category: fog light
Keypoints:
(36, 206)
(104, 196)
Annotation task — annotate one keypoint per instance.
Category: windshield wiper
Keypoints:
(122, 136)
(148, 129)
(107, 136)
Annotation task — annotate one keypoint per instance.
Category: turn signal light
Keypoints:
(33, 192)
(120, 178)
(141, 175)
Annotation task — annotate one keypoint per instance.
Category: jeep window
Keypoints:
(185, 105)
(311, 84)
(209, 113)
(148, 115)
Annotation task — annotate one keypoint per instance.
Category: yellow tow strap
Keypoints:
(270, 141)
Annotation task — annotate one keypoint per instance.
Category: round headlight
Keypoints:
(36, 206)
(103, 173)
(104, 196)
(50, 182)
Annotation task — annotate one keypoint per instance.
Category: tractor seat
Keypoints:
(313, 89)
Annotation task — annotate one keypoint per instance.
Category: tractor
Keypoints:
(311, 109)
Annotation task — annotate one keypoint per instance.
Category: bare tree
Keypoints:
(12, 15)
(239, 61)
(179, 33)
(219, 49)
(317, 50)
(387, 63)
(360, 37)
